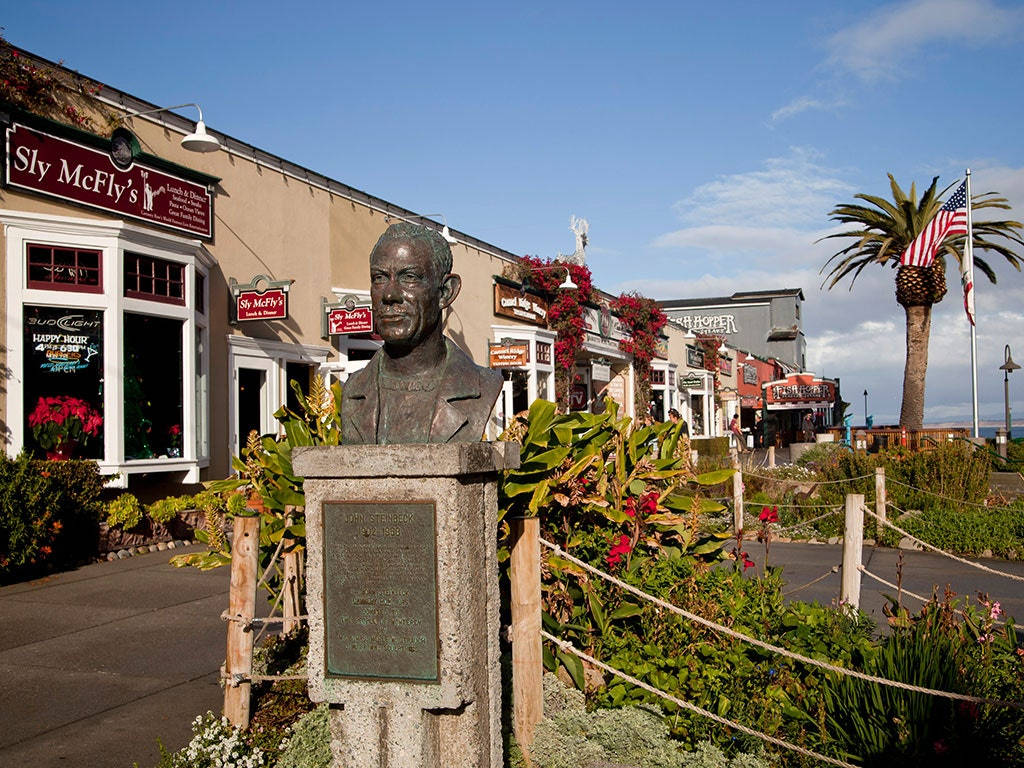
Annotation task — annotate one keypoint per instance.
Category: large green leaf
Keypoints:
(548, 459)
(715, 477)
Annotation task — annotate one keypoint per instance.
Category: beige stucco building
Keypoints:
(178, 292)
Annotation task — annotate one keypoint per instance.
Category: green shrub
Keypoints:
(49, 514)
(309, 745)
(570, 737)
(884, 726)
(971, 530)
(124, 511)
(165, 510)
(710, 447)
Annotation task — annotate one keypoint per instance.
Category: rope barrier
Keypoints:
(805, 523)
(932, 547)
(768, 646)
(950, 498)
(790, 506)
(914, 595)
(256, 622)
(806, 482)
(238, 678)
(693, 707)
(825, 575)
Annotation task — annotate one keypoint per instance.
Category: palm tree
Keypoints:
(883, 231)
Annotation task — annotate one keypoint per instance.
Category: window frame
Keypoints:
(52, 285)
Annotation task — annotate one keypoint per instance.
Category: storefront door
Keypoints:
(253, 408)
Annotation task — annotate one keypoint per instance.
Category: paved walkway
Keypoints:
(98, 663)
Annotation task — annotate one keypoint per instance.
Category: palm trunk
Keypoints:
(919, 326)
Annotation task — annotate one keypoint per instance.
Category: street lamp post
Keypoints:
(865, 407)
(1007, 368)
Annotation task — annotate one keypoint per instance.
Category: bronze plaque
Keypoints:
(380, 590)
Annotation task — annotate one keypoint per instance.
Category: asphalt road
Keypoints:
(923, 572)
(97, 664)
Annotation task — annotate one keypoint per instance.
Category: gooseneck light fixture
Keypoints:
(445, 232)
(197, 141)
(566, 284)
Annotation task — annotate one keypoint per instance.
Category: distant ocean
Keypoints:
(984, 430)
(1017, 430)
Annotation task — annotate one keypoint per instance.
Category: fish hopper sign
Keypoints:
(799, 391)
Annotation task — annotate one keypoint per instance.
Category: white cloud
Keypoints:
(881, 43)
(758, 230)
(803, 104)
(789, 191)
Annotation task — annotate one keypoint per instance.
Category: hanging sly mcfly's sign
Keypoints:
(254, 303)
(58, 167)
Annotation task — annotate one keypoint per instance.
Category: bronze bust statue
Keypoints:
(420, 387)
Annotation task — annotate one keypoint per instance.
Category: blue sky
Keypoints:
(705, 143)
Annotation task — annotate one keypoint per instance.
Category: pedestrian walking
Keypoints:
(734, 428)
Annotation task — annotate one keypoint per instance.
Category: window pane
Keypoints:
(153, 389)
(63, 268)
(63, 358)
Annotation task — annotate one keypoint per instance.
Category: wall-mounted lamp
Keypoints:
(722, 349)
(566, 284)
(197, 141)
(445, 232)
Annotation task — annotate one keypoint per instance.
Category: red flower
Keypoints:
(174, 430)
(616, 552)
(747, 562)
(630, 508)
(649, 503)
(769, 515)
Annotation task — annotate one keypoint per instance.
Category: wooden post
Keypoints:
(245, 553)
(880, 503)
(737, 495)
(527, 652)
(853, 540)
(290, 583)
(771, 457)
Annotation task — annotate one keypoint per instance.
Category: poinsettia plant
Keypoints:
(61, 420)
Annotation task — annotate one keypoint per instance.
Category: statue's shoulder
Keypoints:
(462, 368)
(359, 384)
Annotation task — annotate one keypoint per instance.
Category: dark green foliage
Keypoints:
(49, 514)
(883, 726)
(710, 447)
(946, 485)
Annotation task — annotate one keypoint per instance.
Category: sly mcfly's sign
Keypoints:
(58, 167)
(251, 302)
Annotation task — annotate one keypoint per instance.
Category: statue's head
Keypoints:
(411, 284)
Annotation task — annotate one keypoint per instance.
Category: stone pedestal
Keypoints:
(402, 595)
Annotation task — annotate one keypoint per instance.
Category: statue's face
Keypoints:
(406, 292)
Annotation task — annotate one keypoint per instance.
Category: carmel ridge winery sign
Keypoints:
(50, 165)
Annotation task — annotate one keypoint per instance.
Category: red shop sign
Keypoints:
(271, 304)
(577, 397)
(342, 321)
(58, 167)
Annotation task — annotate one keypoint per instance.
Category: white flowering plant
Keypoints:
(216, 744)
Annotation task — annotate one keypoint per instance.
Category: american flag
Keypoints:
(950, 220)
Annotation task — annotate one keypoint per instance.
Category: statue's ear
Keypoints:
(450, 287)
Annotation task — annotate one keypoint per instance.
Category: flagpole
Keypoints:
(969, 259)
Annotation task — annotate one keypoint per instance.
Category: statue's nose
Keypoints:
(392, 292)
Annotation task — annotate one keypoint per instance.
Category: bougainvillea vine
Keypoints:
(644, 320)
(565, 313)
